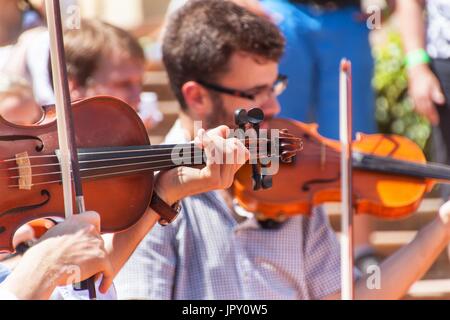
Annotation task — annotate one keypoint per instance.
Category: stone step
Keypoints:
(388, 242)
(430, 290)
(426, 212)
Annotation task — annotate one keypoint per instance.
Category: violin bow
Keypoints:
(68, 156)
(345, 128)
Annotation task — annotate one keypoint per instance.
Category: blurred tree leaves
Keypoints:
(394, 109)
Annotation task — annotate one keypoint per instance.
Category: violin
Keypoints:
(117, 165)
(390, 176)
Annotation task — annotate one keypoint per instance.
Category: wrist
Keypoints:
(418, 57)
(419, 70)
(167, 186)
(40, 280)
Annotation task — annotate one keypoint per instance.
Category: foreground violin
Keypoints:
(390, 176)
(117, 165)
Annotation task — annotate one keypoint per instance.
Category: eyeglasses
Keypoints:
(277, 88)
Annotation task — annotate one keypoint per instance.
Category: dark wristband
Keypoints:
(166, 212)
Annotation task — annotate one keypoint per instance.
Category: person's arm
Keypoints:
(70, 252)
(178, 183)
(150, 273)
(424, 87)
(410, 263)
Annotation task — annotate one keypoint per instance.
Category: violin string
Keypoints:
(150, 149)
(107, 160)
(171, 165)
(99, 160)
(110, 167)
(303, 155)
(97, 176)
(96, 160)
(188, 154)
(130, 164)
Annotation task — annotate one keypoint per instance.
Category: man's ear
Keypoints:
(197, 99)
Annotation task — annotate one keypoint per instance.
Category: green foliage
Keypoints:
(394, 109)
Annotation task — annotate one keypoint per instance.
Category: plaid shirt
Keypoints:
(206, 254)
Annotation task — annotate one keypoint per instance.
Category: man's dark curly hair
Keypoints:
(202, 35)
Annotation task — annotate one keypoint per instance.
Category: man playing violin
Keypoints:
(220, 57)
(77, 241)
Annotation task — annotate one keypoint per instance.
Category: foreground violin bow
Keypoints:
(66, 135)
(345, 126)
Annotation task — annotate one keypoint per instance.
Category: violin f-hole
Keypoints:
(44, 193)
(38, 148)
(307, 185)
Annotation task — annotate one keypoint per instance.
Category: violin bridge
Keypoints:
(25, 175)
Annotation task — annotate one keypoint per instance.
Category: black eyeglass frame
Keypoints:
(240, 93)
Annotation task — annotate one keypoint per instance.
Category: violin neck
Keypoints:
(394, 166)
(110, 160)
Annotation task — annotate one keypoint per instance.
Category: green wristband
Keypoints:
(416, 57)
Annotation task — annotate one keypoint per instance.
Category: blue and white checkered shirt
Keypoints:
(207, 254)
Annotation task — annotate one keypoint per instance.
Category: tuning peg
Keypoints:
(255, 116)
(257, 184)
(288, 157)
(266, 182)
(256, 177)
(240, 118)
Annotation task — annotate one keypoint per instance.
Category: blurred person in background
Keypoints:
(426, 40)
(17, 104)
(26, 52)
(29, 56)
(12, 24)
(103, 59)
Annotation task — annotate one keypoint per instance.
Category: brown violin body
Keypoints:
(99, 122)
(390, 176)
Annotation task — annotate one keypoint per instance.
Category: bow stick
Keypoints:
(345, 126)
(68, 156)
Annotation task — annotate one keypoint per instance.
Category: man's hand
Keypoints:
(69, 252)
(80, 245)
(426, 92)
(224, 158)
